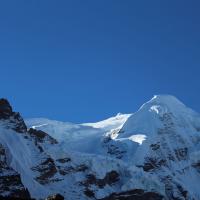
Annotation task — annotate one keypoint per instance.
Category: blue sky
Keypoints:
(83, 61)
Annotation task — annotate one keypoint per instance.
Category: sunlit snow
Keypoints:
(138, 138)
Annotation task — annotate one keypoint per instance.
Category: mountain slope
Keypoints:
(46, 167)
(79, 137)
(150, 154)
(171, 148)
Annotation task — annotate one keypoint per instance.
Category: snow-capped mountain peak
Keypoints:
(150, 154)
(161, 104)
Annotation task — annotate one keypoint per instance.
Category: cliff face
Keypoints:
(14, 119)
(10, 181)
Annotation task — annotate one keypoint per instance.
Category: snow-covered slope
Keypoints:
(153, 153)
(172, 137)
(46, 167)
(110, 123)
(79, 137)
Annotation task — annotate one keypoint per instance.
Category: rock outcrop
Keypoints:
(10, 181)
(14, 119)
(134, 195)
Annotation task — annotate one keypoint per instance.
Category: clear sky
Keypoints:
(83, 61)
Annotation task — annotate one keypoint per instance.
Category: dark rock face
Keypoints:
(134, 195)
(155, 147)
(89, 193)
(41, 136)
(18, 123)
(170, 186)
(15, 120)
(6, 182)
(55, 197)
(153, 164)
(109, 179)
(47, 170)
(10, 181)
(181, 153)
(64, 160)
(5, 109)
(112, 148)
(64, 170)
